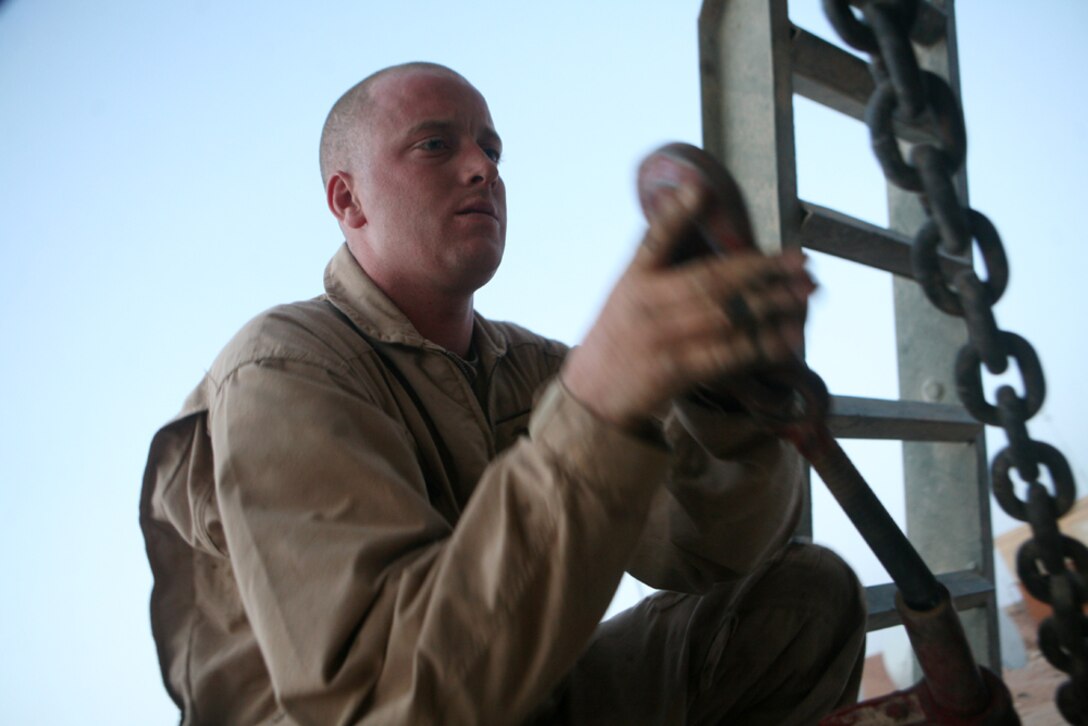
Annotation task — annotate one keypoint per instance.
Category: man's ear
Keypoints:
(342, 201)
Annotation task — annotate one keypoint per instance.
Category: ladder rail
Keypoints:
(753, 61)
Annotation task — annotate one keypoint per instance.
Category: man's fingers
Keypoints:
(716, 357)
(721, 317)
(755, 271)
(770, 342)
(750, 290)
(705, 339)
(668, 327)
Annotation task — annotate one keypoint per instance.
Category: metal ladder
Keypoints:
(752, 62)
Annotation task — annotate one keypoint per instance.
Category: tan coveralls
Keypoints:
(345, 525)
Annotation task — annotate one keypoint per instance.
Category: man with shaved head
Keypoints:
(379, 507)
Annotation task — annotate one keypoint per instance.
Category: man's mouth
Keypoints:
(479, 207)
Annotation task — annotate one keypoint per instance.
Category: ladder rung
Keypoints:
(874, 418)
(841, 235)
(836, 78)
(830, 75)
(967, 588)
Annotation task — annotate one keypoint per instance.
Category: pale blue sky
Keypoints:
(159, 187)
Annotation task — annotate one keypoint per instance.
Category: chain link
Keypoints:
(1053, 567)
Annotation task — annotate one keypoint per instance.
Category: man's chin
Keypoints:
(475, 266)
(481, 274)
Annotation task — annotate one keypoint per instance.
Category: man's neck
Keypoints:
(446, 321)
(441, 316)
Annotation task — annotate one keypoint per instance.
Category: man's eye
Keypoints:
(493, 154)
(434, 145)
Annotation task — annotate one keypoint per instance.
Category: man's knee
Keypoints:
(819, 577)
(812, 592)
(806, 583)
(818, 587)
(794, 640)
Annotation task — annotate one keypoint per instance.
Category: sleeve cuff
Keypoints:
(721, 431)
(618, 461)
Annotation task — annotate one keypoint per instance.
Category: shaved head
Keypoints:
(410, 158)
(346, 124)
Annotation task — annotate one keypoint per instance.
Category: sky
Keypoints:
(158, 168)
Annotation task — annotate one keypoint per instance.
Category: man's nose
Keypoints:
(481, 168)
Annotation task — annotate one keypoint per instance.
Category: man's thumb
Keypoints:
(673, 235)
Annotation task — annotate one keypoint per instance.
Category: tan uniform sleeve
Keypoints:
(732, 499)
(368, 607)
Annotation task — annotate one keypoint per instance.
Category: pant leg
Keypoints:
(794, 649)
(783, 647)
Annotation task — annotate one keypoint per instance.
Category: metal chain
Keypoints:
(1051, 565)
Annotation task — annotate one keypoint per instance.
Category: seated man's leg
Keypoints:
(786, 647)
(796, 648)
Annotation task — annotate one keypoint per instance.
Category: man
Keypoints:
(379, 507)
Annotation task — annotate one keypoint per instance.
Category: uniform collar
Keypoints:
(352, 291)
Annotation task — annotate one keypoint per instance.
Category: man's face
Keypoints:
(429, 184)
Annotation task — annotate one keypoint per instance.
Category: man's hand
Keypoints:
(665, 329)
